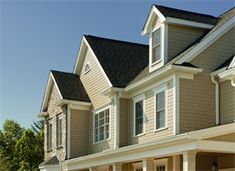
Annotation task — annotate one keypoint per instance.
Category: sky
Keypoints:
(36, 36)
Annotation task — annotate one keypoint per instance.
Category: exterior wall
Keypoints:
(180, 37)
(123, 122)
(150, 134)
(79, 133)
(227, 101)
(104, 145)
(53, 111)
(95, 83)
(197, 97)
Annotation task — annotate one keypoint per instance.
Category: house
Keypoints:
(166, 106)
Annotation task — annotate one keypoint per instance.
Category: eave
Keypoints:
(80, 105)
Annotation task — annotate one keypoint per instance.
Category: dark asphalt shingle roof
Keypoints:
(186, 15)
(122, 61)
(70, 86)
(51, 161)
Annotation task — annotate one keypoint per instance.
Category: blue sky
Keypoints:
(36, 36)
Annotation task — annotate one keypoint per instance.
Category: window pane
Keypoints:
(138, 117)
(160, 110)
(156, 54)
(156, 37)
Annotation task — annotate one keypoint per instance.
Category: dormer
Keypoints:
(171, 31)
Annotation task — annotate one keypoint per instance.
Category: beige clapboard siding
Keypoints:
(94, 81)
(150, 134)
(197, 97)
(180, 37)
(79, 133)
(227, 102)
(105, 145)
(123, 122)
(54, 110)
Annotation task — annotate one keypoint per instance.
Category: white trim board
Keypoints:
(207, 41)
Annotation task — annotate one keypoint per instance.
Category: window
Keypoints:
(160, 108)
(139, 117)
(160, 165)
(49, 134)
(87, 68)
(156, 45)
(59, 130)
(101, 126)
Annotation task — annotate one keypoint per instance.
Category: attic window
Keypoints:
(87, 68)
(156, 46)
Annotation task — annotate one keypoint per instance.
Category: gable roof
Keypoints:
(70, 86)
(186, 15)
(122, 61)
(51, 161)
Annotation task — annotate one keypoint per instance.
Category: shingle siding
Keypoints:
(227, 102)
(197, 96)
(180, 37)
(53, 110)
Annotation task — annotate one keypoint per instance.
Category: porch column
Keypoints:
(93, 169)
(176, 163)
(148, 164)
(189, 161)
(117, 167)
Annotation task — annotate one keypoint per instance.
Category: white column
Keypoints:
(176, 163)
(148, 164)
(189, 161)
(117, 167)
(93, 169)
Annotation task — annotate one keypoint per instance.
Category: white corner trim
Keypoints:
(176, 105)
(207, 41)
(217, 96)
(97, 61)
(177, 21)
(117, 122)
(69, 132)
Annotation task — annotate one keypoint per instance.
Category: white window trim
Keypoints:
(96, 112)
(49, 122)
(137, 99)
(59, 117)
(161, 162)
(163, 44)
(156, 91)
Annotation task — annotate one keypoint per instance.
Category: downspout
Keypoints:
(217, 119)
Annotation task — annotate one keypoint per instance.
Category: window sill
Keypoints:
(49, 150)
(139, 135)
(95, 143)
(161, 129)
(59, 147)
(156, 62)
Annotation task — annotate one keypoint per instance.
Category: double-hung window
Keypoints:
(59, 130)
(156, 45)
(101, 125)
(49, 134)
(139, 115)
(160, 108)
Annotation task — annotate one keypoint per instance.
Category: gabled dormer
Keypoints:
(171, 31)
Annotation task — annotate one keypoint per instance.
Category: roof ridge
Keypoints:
(115, 40)
(192, 12)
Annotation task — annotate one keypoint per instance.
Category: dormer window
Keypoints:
(156, 46)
